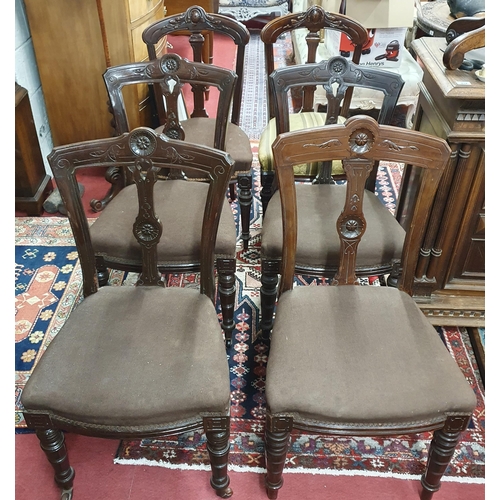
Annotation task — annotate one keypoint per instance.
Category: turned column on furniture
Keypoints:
(450, 285)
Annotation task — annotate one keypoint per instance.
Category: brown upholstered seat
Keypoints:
(378, 371)
(128, 369)
(143, 360)
(351, 359)
(179, 205)
(317, 247)
(202, 131)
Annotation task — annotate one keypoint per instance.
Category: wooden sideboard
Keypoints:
(74, 43)
(450, 279)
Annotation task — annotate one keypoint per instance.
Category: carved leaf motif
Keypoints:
(173, 156)
(324, 145)
(111, 153)
(397, 147)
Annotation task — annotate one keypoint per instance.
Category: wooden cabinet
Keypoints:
(450, 281)
(75, 41)
(33, 185)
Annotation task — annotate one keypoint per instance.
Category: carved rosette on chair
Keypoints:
(152, 358)
(412, 383)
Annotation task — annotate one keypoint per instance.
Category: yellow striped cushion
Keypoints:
(298, 121)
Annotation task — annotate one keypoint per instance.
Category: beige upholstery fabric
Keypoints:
(298, 121)
(179, 205)
(318, 244)
(202, 131)
(356, 354)
(134, 356)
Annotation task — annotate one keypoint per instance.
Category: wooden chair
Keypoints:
(360, 360)
(180, 203)
(314, 21)
(317, 250)
(144, 360)
(200, 128)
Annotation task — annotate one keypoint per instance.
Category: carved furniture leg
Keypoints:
(116, 177)
(232, 191)
(217, 431)
(52, 443)
(226, 269)
(102, 272)
(268, 293)
(276, 438)
(267, 183)
(245, 200)
(440, 454)
(393, 278)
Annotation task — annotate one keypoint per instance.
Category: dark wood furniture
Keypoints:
(180, 6)
(314, 21)
(450, 284)
(316, 254)
(136, 361)
(33, 184)
(179, 200)
(196, 22)
(322, 332)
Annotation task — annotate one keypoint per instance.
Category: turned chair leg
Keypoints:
(226, 269)
(102, 272)
(245, 201)
(267, 183)
(276, 439)
(268, 293)
(441, 452)
(52, 443)
(217, 432)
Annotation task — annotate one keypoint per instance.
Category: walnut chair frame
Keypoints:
(414, 383)
(170, 73)
(120, 398)
(337, 71)
(314, 20)
(197, 22)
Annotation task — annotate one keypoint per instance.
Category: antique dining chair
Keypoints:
(144, 360)
(318, 250)
(180, 201)
(314, 21)
(322, 334)
(200, 128)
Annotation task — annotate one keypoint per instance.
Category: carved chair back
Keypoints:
(143, 152)
(359, 143)
(196, 21)
(171, 73)
(336, 76)
(314, 20)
